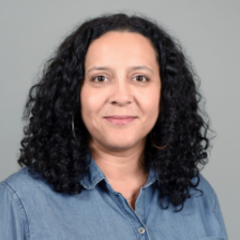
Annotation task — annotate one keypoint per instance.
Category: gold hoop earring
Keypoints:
(74, 130)
(156, 145)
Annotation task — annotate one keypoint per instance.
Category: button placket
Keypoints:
(132, 215)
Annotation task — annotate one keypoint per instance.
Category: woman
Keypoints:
(114, 143)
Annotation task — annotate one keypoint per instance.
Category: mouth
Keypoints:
(120, 120)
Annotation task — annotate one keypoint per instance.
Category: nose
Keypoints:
(121, 93)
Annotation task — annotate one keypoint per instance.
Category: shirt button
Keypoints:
(141, 230)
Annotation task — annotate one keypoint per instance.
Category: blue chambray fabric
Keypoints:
(30, 209)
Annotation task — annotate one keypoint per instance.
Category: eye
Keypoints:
(99, 78)
(142, 77)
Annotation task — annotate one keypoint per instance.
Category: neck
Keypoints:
(120, 166)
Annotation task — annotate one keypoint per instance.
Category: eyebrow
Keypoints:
(132, 68)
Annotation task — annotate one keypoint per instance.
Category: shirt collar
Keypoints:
(95, 175)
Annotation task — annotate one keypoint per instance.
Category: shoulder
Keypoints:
(23, 183)
(14, 219)
(205, 185)
(22, 179)
(206, 196)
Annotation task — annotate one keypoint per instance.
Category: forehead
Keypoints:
(124, 47)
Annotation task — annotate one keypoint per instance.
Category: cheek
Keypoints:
(151, 103)
(91, 103)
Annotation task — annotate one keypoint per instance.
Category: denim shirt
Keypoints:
(31, 210)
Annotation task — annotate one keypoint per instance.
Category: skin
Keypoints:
(120, 90)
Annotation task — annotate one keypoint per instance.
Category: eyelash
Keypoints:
(93, 78)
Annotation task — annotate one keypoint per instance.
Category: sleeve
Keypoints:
(13, 218)
(218, 214)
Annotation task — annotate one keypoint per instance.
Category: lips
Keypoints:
(120, 120)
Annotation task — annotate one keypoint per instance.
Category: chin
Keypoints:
(121, 144)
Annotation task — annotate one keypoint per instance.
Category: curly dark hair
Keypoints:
(49, 147)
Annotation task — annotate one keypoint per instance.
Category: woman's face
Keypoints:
(121, 79)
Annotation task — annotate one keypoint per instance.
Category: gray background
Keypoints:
(208, 31)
